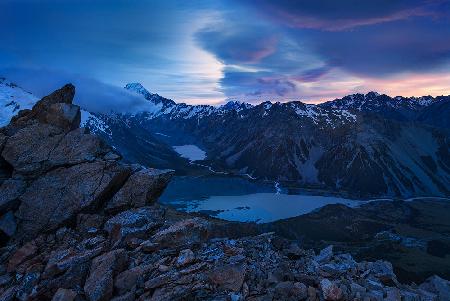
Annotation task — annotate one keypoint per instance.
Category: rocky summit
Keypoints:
(77, 223)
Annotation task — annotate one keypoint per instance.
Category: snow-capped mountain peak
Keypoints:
(235, 105)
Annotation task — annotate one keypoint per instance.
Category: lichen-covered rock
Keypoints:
(330, 290)
(28, 150)
(38, 148)
(61, 194)
(228, 277)
(183, 233)
(62, 115)
(135, 222)
(99, 284)
(141, 189)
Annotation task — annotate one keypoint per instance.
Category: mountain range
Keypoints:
(363, 145)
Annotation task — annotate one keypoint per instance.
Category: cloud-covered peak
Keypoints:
(139, 89)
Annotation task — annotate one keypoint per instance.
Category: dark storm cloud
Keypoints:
(384, 49)
(335, 15)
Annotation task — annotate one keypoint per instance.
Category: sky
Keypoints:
(209, 52)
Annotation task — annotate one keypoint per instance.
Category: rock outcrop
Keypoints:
(77, 223)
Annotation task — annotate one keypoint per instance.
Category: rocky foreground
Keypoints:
(79, 224)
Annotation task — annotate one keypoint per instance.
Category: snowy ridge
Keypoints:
(375, 101)
(169, 109)
(94, 123)
(12, 100)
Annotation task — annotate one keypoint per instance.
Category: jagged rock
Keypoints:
(44, 108)
(183, 233)
(325, 255)
(134, 223)
(64, 295)
(64, 260)
(28, 150)
(62, 115)
(59, 195)
(141, 189)
(8, 224)
(382, 270)
(77, 147)
(99, 285)
(38, 148)
(10, 191)
(330, 290)
(63, 95)
(228, 277)
(437, 285)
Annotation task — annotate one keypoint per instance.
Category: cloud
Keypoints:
(385, 49)
(331, 15)
(235, 43)
(91, 94)
(255, 86)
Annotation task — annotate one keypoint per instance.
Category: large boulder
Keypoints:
(28, 150)
(56, 109)
(59, 195)
(38, 148)
(134, 223)
(141, 189)
(62, 115)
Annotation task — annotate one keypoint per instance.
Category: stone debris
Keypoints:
(79, 224)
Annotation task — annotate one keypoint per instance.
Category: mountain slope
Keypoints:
(366, 145)
(12, 100)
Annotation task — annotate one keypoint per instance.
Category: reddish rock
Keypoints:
(126, 280)
(63, 115)
(330, 290)
(27, 251)
(228, 277)
(183, 233)
(61, 194)
(141, 189)
(99, 285)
